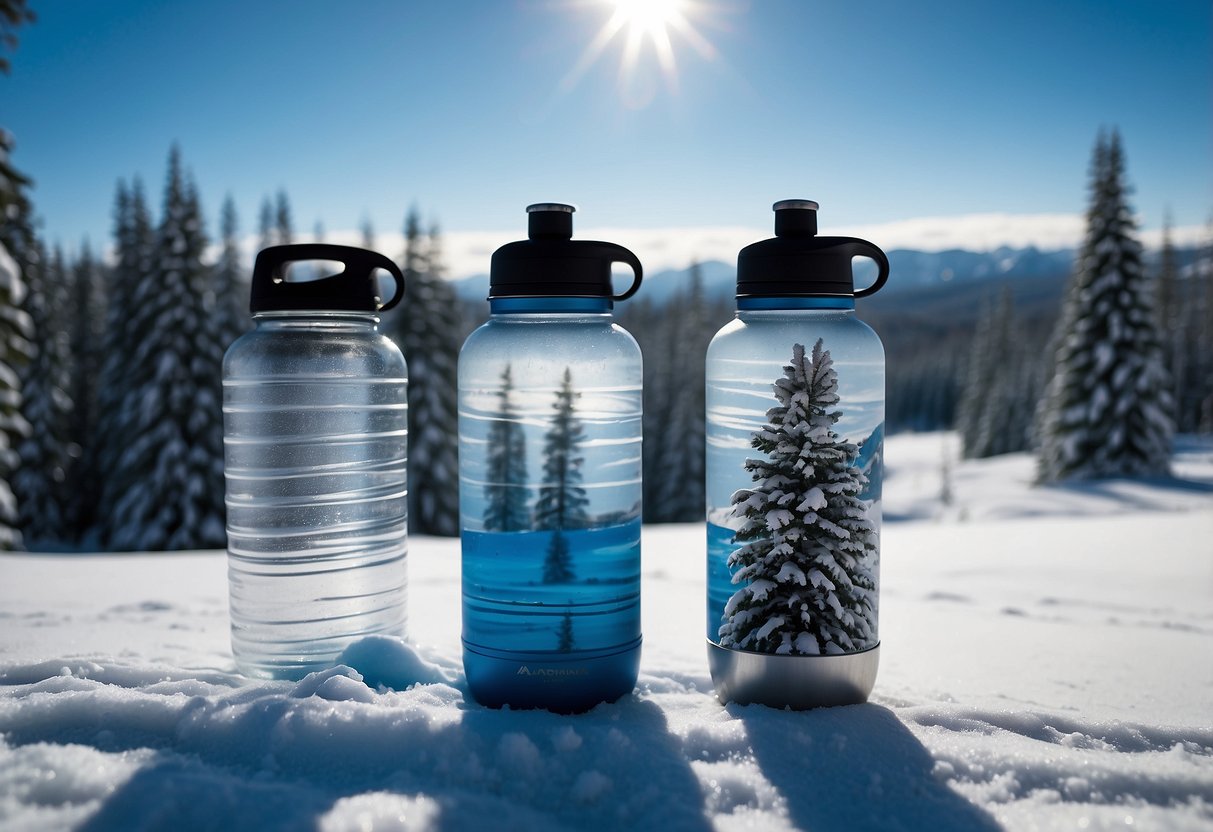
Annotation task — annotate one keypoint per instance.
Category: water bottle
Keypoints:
(315, 432)
(549, 477)
(795, 434)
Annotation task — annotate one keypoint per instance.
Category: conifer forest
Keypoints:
(111, 355)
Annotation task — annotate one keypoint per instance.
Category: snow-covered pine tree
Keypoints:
(562, 501)
(806, 566)
(1107, 409)
(39, 483)
(117, 405)
(428, 329)
(19, 253)
(506, 492)
(170, 476)
(85, 337)
(230, 293)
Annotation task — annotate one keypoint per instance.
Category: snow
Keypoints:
(1045, 665)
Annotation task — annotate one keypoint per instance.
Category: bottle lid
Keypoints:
(552, 264)
(354, 289)
(798, 263)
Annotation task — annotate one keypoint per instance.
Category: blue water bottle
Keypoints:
(549, 476)
(795, 436)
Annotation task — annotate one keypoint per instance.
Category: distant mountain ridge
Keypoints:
(909, 269)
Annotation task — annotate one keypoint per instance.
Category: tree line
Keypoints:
(110, 423)
(111, 431)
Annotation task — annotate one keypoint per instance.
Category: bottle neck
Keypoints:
(550, 305)
(758, 304)
(325, 319)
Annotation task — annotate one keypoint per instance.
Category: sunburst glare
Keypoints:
(641, 25)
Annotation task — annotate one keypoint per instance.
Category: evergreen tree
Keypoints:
(87, 316)
(558, 564)
(229, 299)
(13, 15)
(267, 234)
(284, 233)
(807, 564)
(565, 642)
(170, 476)
(1107, 410)
(19, 257)
(428, 328)
(1201, 329)
(506, 491)
(679, 435)
(562, 501)
(40, 481)
(994, 413)
(118, 401)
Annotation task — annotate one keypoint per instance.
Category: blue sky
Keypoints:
(884, 112)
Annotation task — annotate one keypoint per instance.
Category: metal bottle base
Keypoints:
(797, 682)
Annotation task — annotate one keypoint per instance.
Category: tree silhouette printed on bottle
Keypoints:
(562, 501)
(806, 569)
(506, 491)
(566, 641)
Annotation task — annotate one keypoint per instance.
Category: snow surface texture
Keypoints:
(1046, 665)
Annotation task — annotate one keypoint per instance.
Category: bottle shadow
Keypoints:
(855, 768)
(275, 764)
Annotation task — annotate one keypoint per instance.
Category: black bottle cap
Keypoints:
(798, 263)
(552, 264)
(354, 289)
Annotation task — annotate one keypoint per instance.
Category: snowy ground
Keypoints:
(1047, 664)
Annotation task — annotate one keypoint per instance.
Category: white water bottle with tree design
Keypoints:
(795, 433)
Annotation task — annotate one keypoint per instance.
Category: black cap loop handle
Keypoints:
(549, 263)
(798, 263)
(622, 255)
(865, 249)
(354, 289)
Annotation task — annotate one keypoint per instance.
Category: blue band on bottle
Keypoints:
(795, 303)
(546, 304)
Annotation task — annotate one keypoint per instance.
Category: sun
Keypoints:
(643, 25)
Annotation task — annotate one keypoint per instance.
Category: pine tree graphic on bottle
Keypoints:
(805, 569)
(562, 501)
(566, 643)
(506, 492)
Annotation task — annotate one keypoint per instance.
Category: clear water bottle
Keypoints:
(315, 432)
(795, 437)
(549, 477)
